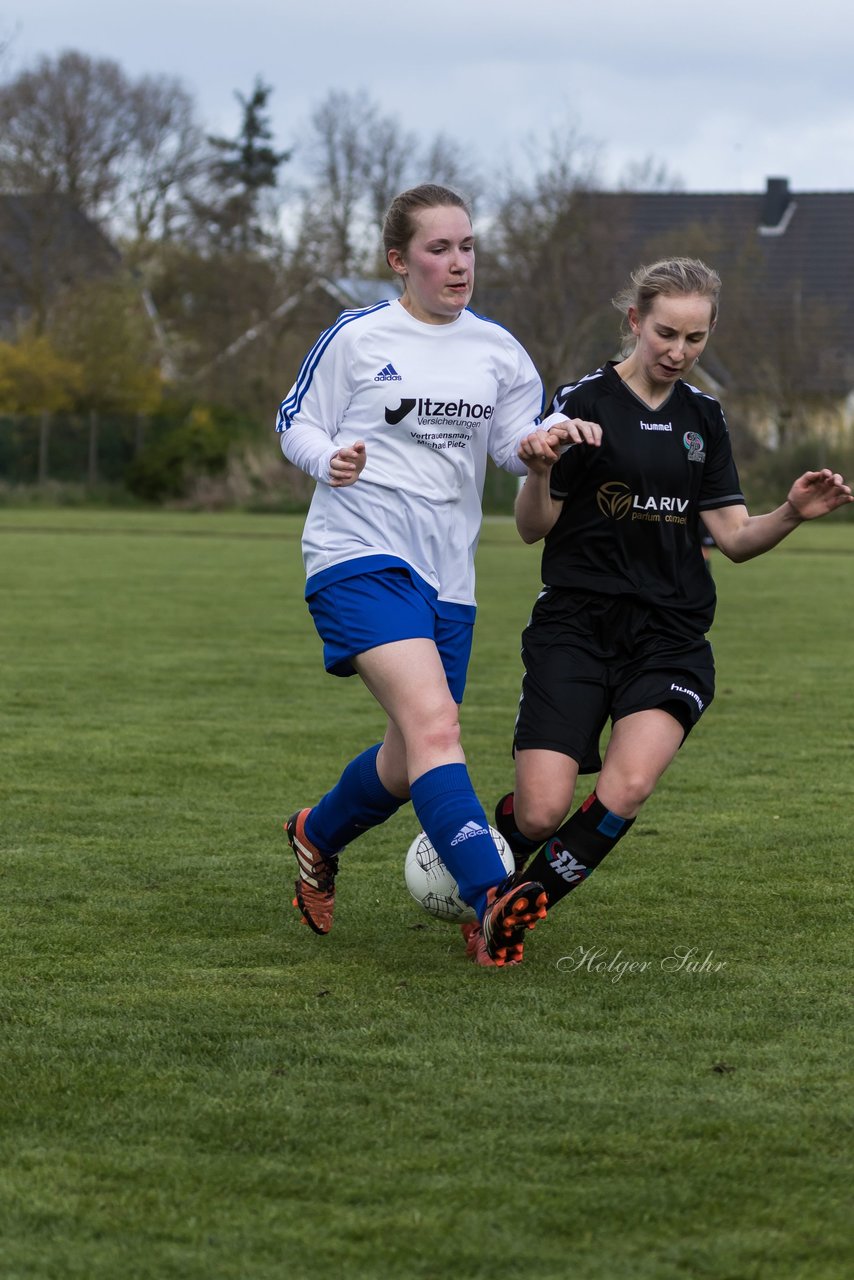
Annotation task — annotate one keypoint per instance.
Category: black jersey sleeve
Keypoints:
(721, 486)
(574, 400)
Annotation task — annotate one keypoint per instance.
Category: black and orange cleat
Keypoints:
(315, 885)
(511, 910)
(476, 948)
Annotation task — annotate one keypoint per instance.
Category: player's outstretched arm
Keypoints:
(741, 536)
(817, 493)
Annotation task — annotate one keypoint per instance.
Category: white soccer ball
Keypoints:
(432, 885)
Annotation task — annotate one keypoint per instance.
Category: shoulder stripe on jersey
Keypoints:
(488, 320)
(496, 324)
(699, 392)
(562, 392)
(291, 404)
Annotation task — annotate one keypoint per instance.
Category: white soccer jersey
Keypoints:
(429, 401)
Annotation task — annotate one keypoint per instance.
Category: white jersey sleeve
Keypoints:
(518, 408)
(310, 416)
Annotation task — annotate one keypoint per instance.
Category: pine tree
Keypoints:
(242, 169)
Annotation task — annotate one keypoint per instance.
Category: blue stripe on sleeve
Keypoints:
(290, 406)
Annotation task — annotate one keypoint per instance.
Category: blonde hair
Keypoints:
(664, 279)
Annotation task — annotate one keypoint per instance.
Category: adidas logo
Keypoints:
(469, 830)
(388, 374)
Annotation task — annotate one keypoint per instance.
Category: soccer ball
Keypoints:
(432, 885)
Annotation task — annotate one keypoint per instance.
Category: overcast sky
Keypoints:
(724, 94)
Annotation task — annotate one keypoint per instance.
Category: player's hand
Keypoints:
(816, 493)
(347, 465)
(540, 450)
(575, 431)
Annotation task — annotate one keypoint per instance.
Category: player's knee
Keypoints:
(440, 730)
(627, 794)
(538, 819)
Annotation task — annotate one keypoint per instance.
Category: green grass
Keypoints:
(194, 1086)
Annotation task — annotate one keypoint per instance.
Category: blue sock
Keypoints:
(357, 802)
(453, 817)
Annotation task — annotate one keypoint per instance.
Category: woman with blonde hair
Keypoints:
(618, 631)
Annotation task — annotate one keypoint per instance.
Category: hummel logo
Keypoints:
(678, 688)
(388, 374)
(469, 830)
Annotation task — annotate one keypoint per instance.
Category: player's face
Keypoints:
(671, 336)
(438, 265)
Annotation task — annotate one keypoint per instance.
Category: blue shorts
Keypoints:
(370, 609)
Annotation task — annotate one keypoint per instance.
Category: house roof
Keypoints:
(45, 243)
(795, 248)
(353, 292)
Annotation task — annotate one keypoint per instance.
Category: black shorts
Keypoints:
(589, 657)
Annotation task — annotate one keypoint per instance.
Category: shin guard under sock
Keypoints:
(577, 848)
(357, 802)
(454, 820)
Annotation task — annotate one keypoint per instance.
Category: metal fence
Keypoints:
(92, 449)
(88, 449)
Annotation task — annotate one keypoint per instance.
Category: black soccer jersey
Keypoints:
(631, 507)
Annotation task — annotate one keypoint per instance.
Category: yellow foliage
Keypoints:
(200, 419)
(34, 378)
(102, 326)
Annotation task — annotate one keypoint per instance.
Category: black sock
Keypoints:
(505, 822)
(577, 848)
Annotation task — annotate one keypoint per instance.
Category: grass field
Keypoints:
(194, 1086)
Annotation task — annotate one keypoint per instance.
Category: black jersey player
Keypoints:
(619, 630)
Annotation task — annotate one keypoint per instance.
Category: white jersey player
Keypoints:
(393, 413)
(429, 401)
